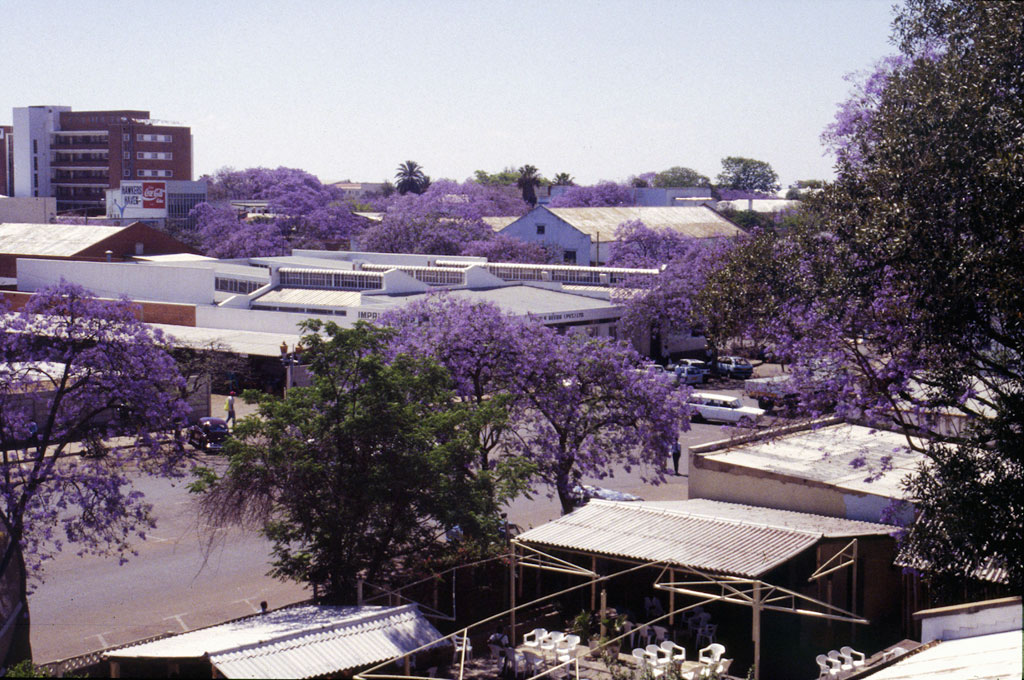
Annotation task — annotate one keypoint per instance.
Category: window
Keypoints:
(141, 155)
(540, 230)
(35, 180)
(126, 137)
(127, 155)
(35, 163)
(569, 257)
(35, 146)
(127, 173)
(139, 248)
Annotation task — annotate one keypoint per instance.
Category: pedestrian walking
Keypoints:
(229, 406)
(677, 452)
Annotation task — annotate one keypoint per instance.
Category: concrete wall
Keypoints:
(557, 232)
(34, 123)
(28, 209)
(184, 284)
(725, 482)
(970, 620)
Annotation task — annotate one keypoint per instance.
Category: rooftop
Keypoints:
(702, 534)
(296, 642)
(828, 455)
(695, 221)
(985, 657)
(58, 240)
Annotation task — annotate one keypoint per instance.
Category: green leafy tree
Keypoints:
(360, 472)
(747, 174)
(505, 177)
(563, 179)
(679, 176)
(802, 188)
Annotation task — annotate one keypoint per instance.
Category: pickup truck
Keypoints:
(723, 408)
(771, 392)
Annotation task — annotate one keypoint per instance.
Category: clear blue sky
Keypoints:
(349, 89)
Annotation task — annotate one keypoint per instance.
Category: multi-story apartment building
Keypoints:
(6, 160)
(76, 156)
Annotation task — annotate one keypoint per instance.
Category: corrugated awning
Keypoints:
(297, 642)
(694, 537)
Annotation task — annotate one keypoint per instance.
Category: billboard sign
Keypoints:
(141, 199)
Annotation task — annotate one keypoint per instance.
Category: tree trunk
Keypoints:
(20, 644)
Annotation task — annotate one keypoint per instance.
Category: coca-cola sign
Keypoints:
(154, 195)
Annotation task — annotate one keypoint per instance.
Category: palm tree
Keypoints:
(527, 182)
(411, 178)
(563, 179)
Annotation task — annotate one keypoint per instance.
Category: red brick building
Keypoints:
(77, 155)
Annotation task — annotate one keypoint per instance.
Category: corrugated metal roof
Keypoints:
(696, 221)
(724, 538)
(984, 657)
(297, 642)
(60, 240)
(499, 223)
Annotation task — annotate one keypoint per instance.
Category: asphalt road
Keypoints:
(175, 584)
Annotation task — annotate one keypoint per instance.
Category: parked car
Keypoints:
(701, 366)
(686, 376)
(208, 434)
(584, 492)
(658, 372)
(734, 367)
(723, 408)
(772, 392)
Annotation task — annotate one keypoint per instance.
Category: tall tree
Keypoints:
(410, 178)
(587, 410)
(528, 181)
(76, 373)
(563, 179)
(909, 283)
(747, 174)
(366, 468)
(680, 177)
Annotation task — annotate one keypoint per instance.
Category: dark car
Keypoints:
(208, 434)
(734, 367)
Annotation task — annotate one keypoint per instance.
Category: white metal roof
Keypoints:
(829, 455)
(697, 221)
(297, 642)
(257, 343)
(310, 297)
(62, 240)
(985, 657)
(521, 300)
(720, 537)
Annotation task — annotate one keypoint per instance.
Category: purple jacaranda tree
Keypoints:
(501, 248)
(305, 213)
(908, 280)
(481, 347)
(575, 405)
(668, 302)
(637, 245)
(87, 399)
(587, 410)
(225, 236)
(600, 195)
(442, 219)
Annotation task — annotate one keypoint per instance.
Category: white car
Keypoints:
(699, 365)
(687, 376)
(723, 408)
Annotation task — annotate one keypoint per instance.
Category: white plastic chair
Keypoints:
(461, 642)
(628, 629)
(852, 656)
(550, 643)
(660, 633)
(676, 654)
(707, 634)
(566, 647)
(535, 638)
(825, 669)
(711, 654)
(835, 659)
